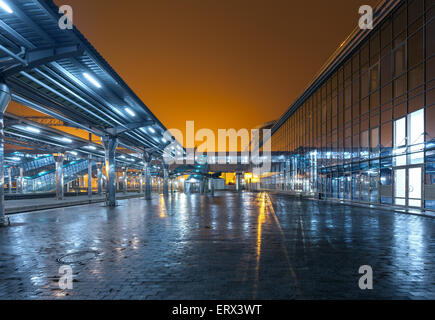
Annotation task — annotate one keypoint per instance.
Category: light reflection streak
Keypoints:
(163, 214)
(261, 221)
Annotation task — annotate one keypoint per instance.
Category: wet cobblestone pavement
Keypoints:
(231, 246)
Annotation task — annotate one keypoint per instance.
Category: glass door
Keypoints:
(414, 186)
(408, 186)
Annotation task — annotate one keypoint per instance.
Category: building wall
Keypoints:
(368, 133)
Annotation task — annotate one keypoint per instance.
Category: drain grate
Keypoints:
(77, 257)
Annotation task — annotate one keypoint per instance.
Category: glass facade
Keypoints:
(367, 133)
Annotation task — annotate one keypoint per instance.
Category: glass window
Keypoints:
(399, 61)
(399, 21)
(416, 127)
(386, 72)
(374, 77)
(415, 77)
(386, 138)
(415, 10)
(430, 124)
(399, 86)
(400, 132)
(430, 38)
(415, 49)
(386, 34)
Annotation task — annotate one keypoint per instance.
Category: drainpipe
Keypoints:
(5, 98)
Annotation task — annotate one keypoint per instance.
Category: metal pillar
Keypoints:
(147, 171)
(99, 177)
(124, 181)
(238, 182)
(212, 186)
(20, 181)
(165, 180)
(5, 98)
(90, 176)
(201, 186)
(59, 175)
(141, 182)
(9, 180)
(110, 143)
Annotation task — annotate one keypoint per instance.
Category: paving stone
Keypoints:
(231, 246)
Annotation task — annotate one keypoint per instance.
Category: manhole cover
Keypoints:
(76, 257)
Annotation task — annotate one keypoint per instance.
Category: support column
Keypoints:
(212, 186)
(5, 98)
(9, 179)
(124, 181)
(201, 186)
(238, 182)
(99, 177)
(141, 182)
(59, 175)
(90, 177)
(147, 170)
(110, 144)
(20, 181)
(165, 179)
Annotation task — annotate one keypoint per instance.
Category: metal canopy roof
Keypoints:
(58, 72)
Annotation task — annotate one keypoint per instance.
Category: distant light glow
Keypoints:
(16, 158)
(130, 112)
(151, 129)
(5, 7)
(164, 140)
(73, 152)
(33, 129)
(91, 147)
(92, 80)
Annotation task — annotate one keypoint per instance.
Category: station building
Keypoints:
(364, 129)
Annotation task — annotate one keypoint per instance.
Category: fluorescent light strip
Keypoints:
(5, 7)
(92, 80)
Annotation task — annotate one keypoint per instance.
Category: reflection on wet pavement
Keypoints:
(231, 246)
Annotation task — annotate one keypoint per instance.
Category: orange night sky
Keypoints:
(223, 63)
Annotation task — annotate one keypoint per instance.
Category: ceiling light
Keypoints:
(151, 129)
(92, 80)
(5, 7)
(67, 140)
(33, 129)
(130, 112)
(90, 147)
